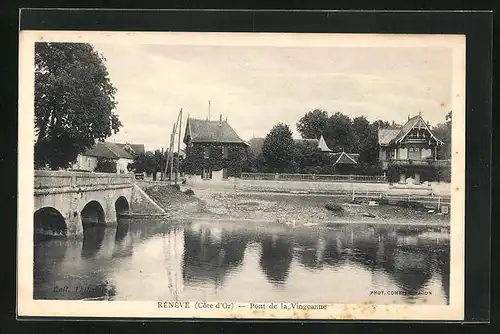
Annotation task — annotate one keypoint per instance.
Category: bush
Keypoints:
(411, 205)
(105, 166)
(334, 207)
(383, 201)
(189, 192)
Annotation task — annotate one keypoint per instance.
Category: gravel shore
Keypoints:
(282, 208)
(309, 209)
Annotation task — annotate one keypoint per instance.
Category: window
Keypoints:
(411, 149)
(225, 152)
(206, 153)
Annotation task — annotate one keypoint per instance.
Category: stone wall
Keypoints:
(142, 204)
(309, 186)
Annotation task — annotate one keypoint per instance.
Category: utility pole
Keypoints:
(178, 147)
(172, 141)
(209, 110)
(170, 153)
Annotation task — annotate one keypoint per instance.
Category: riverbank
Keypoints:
(307, 209)
(290, 209)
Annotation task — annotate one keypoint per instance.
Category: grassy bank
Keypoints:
(176, 203)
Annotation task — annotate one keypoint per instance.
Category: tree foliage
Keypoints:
(215, 157)
(105, 165)
(279, 149)
(340, 134)
(254, 163)
(313, 124)
(443, 132)
(143, 163)
(155, 162)
(343, 134)
(74, 102)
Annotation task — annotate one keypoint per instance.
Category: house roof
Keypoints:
(108, 150)
(205, 131)
(323, 146)
(100, 150)
(256, 145)
(345, 158)
(136, 148)
(385, 136)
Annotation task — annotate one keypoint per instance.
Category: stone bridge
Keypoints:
(67, 202)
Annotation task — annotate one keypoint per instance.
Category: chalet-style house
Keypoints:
(412, 149)
(121, 154)
(213, 149)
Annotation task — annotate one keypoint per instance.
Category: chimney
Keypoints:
(392, 123)
(428, 123)
(220, 118)
(408, 117)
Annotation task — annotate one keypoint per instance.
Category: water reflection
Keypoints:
(210, 253)
(92, 240)
(48, 257)
(124, 245)
(276, 257)
(443, 264)
(242, 262)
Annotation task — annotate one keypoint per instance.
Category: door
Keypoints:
(224, 173)
(206, 173)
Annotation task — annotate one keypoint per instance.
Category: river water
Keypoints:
(146, 260)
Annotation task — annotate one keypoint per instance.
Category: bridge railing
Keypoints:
(61, 179)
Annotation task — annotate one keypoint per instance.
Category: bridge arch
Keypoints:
(92, 214)
(122, 206)
(48, 221)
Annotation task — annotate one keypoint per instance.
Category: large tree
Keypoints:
(339, 134)
(74, 102)
(279, 150)
(313, 124)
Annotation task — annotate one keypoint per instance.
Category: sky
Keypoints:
(257, 87)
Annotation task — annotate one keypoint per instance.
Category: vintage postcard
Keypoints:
(241, 175)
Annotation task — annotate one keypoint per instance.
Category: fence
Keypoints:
(314, 177)
(432, 201)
